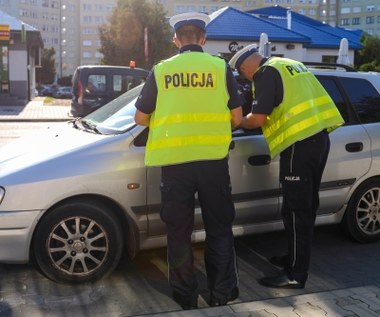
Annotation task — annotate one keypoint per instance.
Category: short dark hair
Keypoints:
(190, 33)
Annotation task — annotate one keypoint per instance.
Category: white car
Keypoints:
(75, 197)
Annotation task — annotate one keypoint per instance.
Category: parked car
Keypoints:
(63, 93)
(76, 219)
(48, 90)
(95, 85)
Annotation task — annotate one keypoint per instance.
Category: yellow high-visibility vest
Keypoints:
(305, 110)
(192, 121)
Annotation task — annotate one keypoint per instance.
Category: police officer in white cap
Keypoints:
(295, 114)
(190, 103)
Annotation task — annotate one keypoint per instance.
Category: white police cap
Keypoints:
(241, 55)
(194, 18)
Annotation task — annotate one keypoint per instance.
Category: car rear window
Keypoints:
(364, 97)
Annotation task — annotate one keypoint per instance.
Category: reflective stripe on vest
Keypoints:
(191, 121)
(306, 108)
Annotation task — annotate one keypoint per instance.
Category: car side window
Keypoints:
(122, 83)
(364, 97)
(96, 83)
(332, 89)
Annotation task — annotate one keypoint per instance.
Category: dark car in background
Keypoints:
(96, 85)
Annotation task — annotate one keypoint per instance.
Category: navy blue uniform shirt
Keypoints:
(269, 90)
(146, 102)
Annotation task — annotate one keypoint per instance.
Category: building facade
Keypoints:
(71, 26)
(359, 14)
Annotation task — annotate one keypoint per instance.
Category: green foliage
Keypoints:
(368, 58)
(46, 73)
(122, 38)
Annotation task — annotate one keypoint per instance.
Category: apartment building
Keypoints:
(71, 26)
(306, 7)
(359, 14)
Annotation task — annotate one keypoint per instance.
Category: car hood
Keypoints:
(45, 145)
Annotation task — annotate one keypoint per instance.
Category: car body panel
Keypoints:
(70, 162)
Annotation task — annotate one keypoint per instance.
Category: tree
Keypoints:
(122, 38)
(46, 73)
(368, 58)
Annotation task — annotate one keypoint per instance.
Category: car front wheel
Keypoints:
(78, 242)
(362, 218)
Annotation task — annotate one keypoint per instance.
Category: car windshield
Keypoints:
(115, 117)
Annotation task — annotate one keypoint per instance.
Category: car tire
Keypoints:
(362, 217)
(78, 242)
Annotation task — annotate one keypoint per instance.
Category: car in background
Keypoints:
(63, 93)
(95, 85)
(76, 219)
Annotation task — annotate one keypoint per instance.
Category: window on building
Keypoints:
(87, 7)
(98, 7)
(370, 20)
(370, 31)
(378, 19)
(87, 19)
(345, 22)
(356, 9)
(329, 59)
(98, 55)
(355, 21)
(312, 11)
(371, 8)
(345, 10)
(99, 19)
(87, 43)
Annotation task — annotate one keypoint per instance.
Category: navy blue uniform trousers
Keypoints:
(301, 168)
(179, 184)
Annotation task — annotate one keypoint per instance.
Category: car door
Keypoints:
(350, 153)
(254, 179)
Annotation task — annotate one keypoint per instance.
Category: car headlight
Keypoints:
(2, 193)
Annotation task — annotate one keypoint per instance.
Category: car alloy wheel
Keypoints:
(78, 242)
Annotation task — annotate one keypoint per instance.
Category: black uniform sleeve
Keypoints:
(236, 97)
(269, 90)
(146, 102)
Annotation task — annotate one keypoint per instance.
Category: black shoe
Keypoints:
(281, 281)
(281, 261)
(221, 301)
(186, 302)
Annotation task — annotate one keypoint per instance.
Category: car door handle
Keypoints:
(354, 147)
(258, 160)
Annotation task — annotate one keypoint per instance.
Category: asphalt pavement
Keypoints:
(359, 301)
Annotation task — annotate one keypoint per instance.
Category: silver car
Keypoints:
(73, 198)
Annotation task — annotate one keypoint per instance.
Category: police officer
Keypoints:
(295, 113)
(190, 103)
